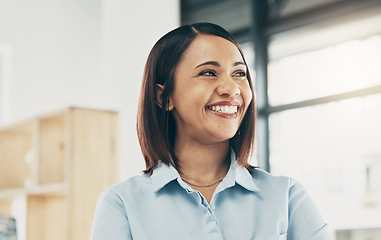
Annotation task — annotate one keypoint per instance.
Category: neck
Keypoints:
(202, 163)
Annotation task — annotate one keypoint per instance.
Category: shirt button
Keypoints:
(213, 207)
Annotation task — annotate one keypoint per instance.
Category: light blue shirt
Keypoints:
(245, 206)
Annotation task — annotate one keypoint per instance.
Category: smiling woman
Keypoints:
(200, 87)
(196, 122)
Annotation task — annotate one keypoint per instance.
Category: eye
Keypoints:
(208, 73)
(240, 74)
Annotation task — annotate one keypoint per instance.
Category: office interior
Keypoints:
(317, 75)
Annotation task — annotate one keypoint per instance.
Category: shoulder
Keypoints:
(131, 186)
(264, 179)
(283, 187)
(304, 218)
(116, 199)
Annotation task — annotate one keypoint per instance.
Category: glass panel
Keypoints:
(334, 150)
(344, 67)
(297, 6)
(248, 51)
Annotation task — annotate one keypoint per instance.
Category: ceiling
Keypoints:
(236, 15)
(294, 25)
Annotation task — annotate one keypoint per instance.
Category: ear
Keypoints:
(159, 98)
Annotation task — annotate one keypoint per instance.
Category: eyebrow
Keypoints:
(214, 63)
(238, 63)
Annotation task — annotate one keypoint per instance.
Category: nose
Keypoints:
(227, 87)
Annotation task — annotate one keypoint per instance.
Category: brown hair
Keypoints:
(155, 126)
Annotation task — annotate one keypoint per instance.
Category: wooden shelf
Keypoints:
(5, 207)
(52, 154)
(50, 210)
(59, 163)
(48, 189)
(16, 149)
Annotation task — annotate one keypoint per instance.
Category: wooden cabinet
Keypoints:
(59, 163)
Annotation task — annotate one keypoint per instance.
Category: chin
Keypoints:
(226, 136)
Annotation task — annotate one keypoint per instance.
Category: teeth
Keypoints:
(224, 109)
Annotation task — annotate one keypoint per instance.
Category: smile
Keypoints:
(224, 109)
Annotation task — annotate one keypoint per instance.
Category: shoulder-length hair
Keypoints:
(156, 127)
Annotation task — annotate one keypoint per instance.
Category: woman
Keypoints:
(196, 121)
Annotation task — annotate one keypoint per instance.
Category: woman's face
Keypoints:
(211, 91)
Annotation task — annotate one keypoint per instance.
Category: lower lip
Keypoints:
(223, 115)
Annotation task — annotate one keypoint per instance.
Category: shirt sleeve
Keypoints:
(305, 221)
(110, 219)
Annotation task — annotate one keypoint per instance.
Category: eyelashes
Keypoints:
(212, 73)
(208, 73)
(240, 74)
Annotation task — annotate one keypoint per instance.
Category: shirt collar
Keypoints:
(237, 174)
(164, 174)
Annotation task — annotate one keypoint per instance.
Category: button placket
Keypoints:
(211, 222)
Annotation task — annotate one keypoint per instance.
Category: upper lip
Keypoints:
(226, 103)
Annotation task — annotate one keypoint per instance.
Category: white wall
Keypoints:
(88, 53)
(55, 47)
(130, 29)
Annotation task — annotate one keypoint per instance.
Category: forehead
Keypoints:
(211, 48)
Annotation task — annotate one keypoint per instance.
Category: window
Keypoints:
(332, 147)
(335, 69)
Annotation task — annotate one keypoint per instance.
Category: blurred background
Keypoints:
(316, 66)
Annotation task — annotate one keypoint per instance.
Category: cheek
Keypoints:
(190, 97)
(247, 94)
